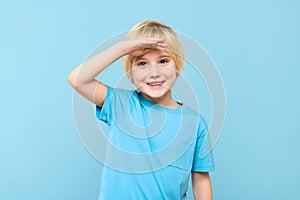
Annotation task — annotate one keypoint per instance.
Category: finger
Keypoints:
(153, 40)
(160, 39)
(158, 44)
(163, 44)
(162, 48)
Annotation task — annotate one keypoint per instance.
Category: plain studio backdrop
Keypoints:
(254, 44)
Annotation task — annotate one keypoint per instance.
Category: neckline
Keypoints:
(148, 103)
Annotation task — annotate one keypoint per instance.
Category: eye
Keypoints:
(142, 64)
(163, 61)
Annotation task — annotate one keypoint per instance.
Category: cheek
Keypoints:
(169, 72)
(138, 75)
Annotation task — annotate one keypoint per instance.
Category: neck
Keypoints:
(164, 101)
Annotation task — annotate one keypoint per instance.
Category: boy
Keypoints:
(152, 58)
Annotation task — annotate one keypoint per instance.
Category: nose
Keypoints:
(154, 71)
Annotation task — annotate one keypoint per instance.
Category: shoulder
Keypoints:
(193, 114)
(120, 93)
(186, 110)
(119, 90)
(117, 105)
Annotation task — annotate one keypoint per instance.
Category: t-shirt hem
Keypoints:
(204, 169)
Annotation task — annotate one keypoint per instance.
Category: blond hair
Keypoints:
(155, 29)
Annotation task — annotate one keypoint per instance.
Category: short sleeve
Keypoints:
(103, 113)
(116, 105)
(203, 156)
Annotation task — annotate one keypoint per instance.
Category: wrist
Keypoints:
(121, 48)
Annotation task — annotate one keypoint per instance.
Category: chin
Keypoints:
(155, 94)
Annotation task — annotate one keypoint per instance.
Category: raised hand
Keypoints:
(142, 46)
(85, 82)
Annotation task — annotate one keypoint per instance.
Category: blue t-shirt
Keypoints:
(153, 149)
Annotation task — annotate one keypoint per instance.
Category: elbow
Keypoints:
(72, 80)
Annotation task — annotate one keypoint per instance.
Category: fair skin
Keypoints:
(153, 72)
(202, 188)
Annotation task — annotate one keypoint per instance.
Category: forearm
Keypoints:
(202, 187)
(96, 64)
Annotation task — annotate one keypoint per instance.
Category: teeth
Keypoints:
(155, 84)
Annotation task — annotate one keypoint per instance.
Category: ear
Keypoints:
(177, 72)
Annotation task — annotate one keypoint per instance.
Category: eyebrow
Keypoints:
(136, 59)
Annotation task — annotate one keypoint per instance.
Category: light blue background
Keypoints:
(255, 45)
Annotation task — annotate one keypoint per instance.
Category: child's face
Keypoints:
(154, 73)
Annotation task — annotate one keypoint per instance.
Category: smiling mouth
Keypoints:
(155, 84)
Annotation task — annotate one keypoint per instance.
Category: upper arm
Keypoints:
(202, 188)
(93, 91)
(203, 155)
(198, 177)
